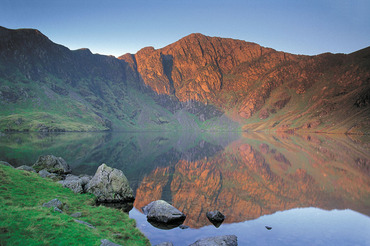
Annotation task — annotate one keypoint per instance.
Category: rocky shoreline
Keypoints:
(111, 188)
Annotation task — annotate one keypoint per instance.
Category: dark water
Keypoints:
(312, 189)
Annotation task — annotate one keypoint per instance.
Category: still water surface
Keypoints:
(312, 189)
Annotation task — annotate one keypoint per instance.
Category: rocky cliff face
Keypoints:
(259, 87)
(197, 81)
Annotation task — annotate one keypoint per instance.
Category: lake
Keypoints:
(310, 189)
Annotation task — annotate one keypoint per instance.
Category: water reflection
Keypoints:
(304, 226)
(258, 175)
(245, 177)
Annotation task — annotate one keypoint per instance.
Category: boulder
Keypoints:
(75, 183)
(106, 242)
(162, 212)
(110, 185)
(228, 240)
(55, 203)
(215, 217)
(52, 164)
(26, 168)
(5, 164)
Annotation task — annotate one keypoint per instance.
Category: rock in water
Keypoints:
(228, 240)
(26, 168)
(52, 164)
(215, 217)
(110, 185)
(162, 212)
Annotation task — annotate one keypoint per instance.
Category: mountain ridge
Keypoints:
(206, 78)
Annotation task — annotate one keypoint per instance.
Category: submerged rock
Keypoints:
(5, 164)
(215, 217)
(110, 185)
(52, 164)
(26, 168)
(162, 212)
(228, 240)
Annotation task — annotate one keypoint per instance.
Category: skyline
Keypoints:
(119, 27)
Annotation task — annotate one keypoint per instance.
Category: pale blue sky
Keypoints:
(115, 27)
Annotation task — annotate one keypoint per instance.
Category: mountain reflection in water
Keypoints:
(245, 177)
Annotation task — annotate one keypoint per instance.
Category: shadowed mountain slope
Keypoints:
(198, 82)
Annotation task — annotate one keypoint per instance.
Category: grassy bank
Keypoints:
(23, 220)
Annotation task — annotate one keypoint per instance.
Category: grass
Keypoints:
(23, 220)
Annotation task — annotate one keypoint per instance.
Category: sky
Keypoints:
(116, 27)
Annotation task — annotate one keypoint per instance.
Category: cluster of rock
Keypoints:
(164, 216)
(109, 185)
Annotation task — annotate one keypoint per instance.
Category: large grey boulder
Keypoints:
(228, 240)
(6, 164)
(110, 185)
(52, 164)
(163, 212)
(75, 183)
(26, 168)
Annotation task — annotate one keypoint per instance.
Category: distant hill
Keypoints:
(196, 83)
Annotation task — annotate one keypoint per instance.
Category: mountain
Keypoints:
(198, 83)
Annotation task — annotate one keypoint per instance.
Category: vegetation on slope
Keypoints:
(23, 220)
